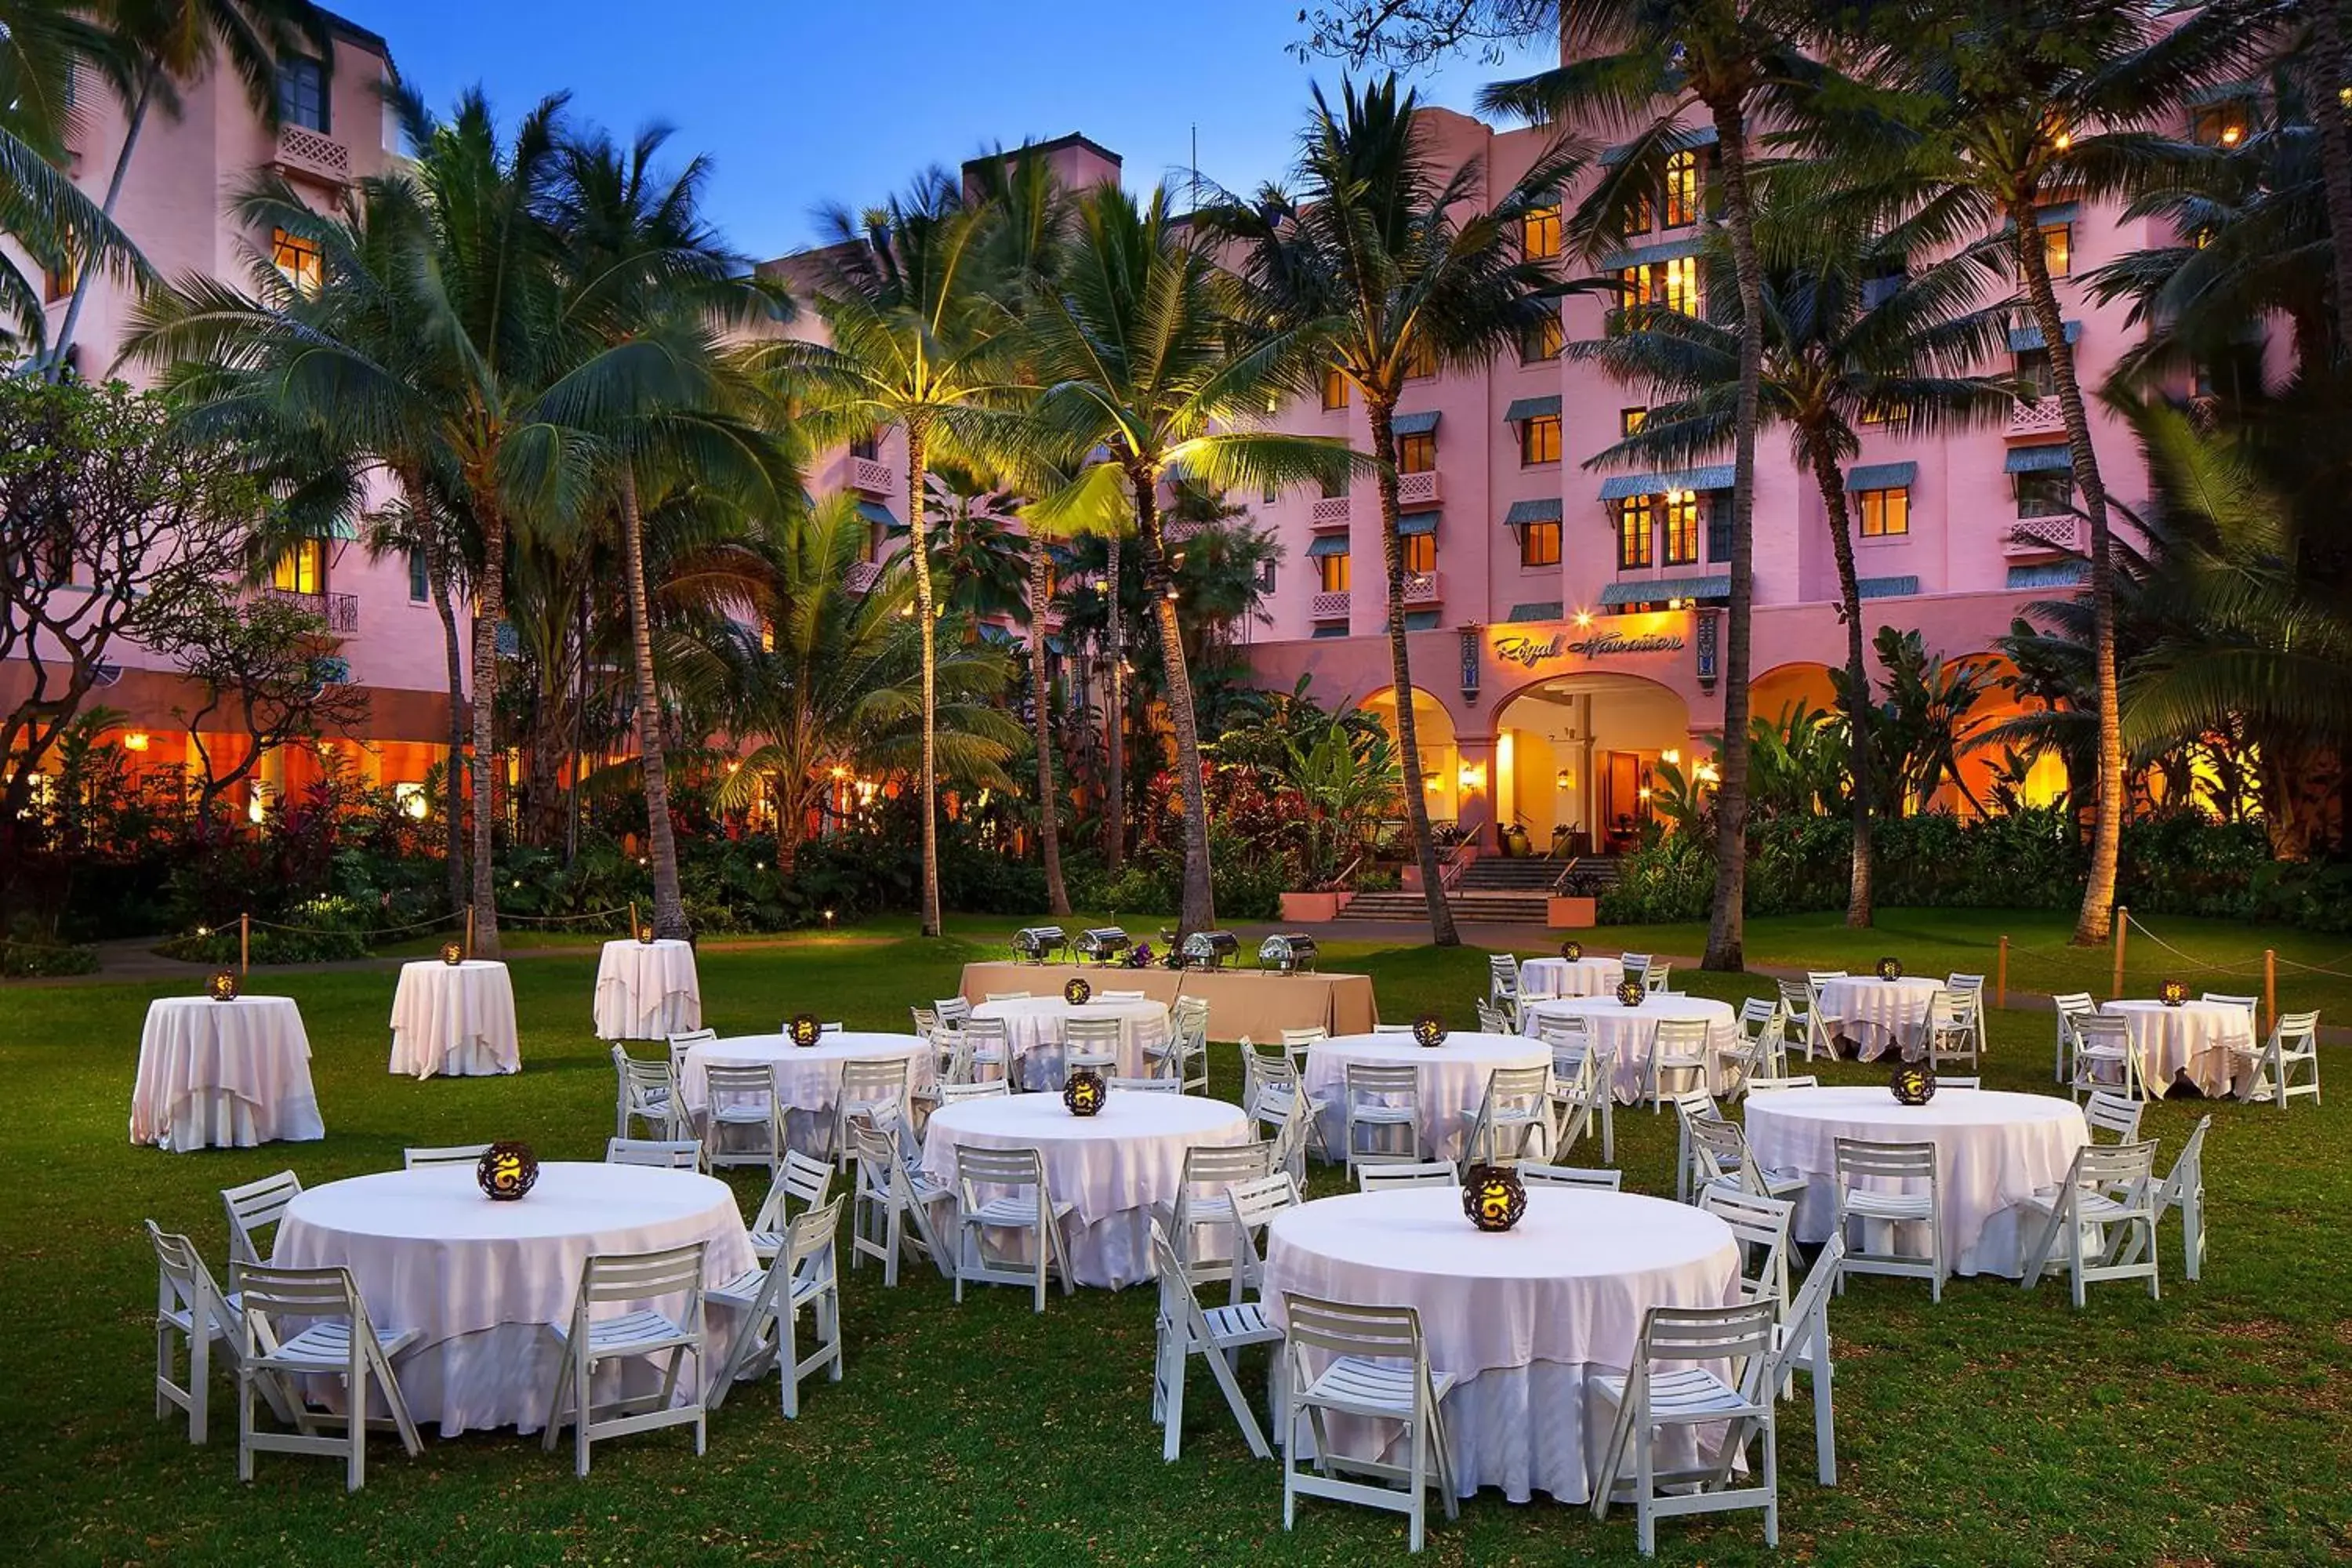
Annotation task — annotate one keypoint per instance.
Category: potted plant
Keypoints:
(1575, 904)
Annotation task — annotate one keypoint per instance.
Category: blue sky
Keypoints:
(799, 103)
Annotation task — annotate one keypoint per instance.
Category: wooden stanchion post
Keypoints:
(469, 930)
(2123, 923)
(244, 943)
(2270, 988)
(2000, 976)
(634, 930)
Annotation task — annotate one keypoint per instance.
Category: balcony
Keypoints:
(1417, 489)
(1329, 606)
(2044, 535)
(870, 475)
(1331, 511)
(1420, 588)
(2042, 418)
(308, 153)
(340, 611)
(861, 576)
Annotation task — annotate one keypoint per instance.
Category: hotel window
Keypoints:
(869, 446)
(2220, 124)
(299, 260)
(1886, 414)
(1417, 454)
(1641, 215)
(767, 635)
(1420, 362)
(1539, 233)
(1719, 533)
(1539, 544)
(302, 569)
(1682, 189)
(1886, 514)
(1539, 440)
(302, 94)
(1634, 532)
(1334, 570)
(1682, 528)
(1629, 420)
(1335, 389)
(2046, 494)
(1541, 340)
(2058, 248)
(57, 282)
(1420, 552)
(2036, 378)
(420, 578)
(1266, 576)
(1674, 284)
(1333, 488)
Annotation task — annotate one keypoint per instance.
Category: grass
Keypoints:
(2000, 1427)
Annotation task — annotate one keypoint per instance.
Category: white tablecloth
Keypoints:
(1992, 1151)
(808, 1079)
(2195, 1037)
(1626, 1032)
(224, 1074)
(1540, 977)
(454, 1018)
(1453, 1078)
(646, 991)
(1113, 1166)
(1034, 1026)
(482, 1279)
(1520, 1318)
(1878, 1015)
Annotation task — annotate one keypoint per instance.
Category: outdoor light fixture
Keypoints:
(1671, 756)
(1429, 1031)
(1084, 1092)
(1472, 775)
(136, 740)
(1629, 994)
(1493, 1197)
(1583, 618)
(257, 809)
(1563, 780)
(222, 986)
(1571, 950)
(453, 953)
(1914, 1083)
(1890, 968)
(506, 1171)
(2174, 993)
(1077, 991)
(804, 1030)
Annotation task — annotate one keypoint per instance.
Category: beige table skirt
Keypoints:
(1241, 1001)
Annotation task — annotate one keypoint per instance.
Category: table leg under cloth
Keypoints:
(220, 1120)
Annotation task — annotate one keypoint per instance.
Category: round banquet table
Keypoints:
(224, 1074)
(1625, 1033)
(483, 1280)
(1453, 1078)
(2195, 1037)
(647, 990)
(1520, 1318)
(1033, 1023)
(1878, 1015)
(454, 1018)
(1113, 1166)
(1546, 977)
(808, 1079)
(1993, 1150)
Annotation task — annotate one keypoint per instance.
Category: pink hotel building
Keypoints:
(1566, 623)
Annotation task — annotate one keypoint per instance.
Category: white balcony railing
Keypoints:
(2044, 536)
(1331, 511)
(2041, 418)
(1329, 606)
(301, 151)
(861, 576)
(873, 477)
(1420, 588)
(1417, 489)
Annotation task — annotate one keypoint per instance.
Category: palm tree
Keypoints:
(1134, 356)
(1648, 63)
(158, 46)
(1849, 336)
(1383, 259)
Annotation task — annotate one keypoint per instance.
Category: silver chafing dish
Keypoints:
(1211, 949)
(1290, 953)
(1035, 944)
(1101, 943)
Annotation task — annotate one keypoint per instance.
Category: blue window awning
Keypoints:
(874, 511)
(2049, 575)
(1685, 137)
(1882, 476)
(2029, 337)
(1649, 255)
(1654, 591)
(1415, 523)
(1415, 424)
(2038, 460)
(1543, 508)
(1421, 621)
(996, 635)
(1718, 477)
(1330, 544)
(1550, 610)
(1531, 408)
(1339, 631)
(1887, 587)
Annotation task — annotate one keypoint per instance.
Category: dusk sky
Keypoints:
(802, 103)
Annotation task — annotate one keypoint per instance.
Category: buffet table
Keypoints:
(1256, 1002)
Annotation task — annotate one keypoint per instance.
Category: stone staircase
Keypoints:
(1493, 891)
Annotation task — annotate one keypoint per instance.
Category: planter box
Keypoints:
(1572, 914)
(1313, 909)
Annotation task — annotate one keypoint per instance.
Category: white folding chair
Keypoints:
(1761, 1226)
(1588, 1092)
(991, 1045)
(451, 1154)
(1569, 1036)
(2294, 1044)
(1514, 1119)
(1633, 965)
(1297, 1043)
(1802, 1343)
(1006, 995)
(1671, 1387)
(1971, 989)
(1200, 1202)
(1965, 1081)
(892, 1216)
(2105, 1112)
(952, 1011)
(1501, 979)
(1720, 1156)
(1864, 1198)
(1388, 1178)
(743, 1116)
(1385, 1103)
(1655, 975)
(956, 1093)
(1254, 1205)
(1026, 1208)
(1294, 1127)
(665, 1153)
(645, 1091)
(768, 1301)
(640, 1280)
(1798, 1011)
(336, 1340)
(1759, 1050)
(683, 1041)
(1378, 1370)
(1950, 1031)
(2183, 1187)
(2104, 1056)
(1535, 1176)
(1187, 1330)
(1678, 1048)
(2067, 1005)
(190, 1307)
(1144, 1085)
(1794, 1081)
(256, 1208)
(1184, 1056)
(876, 1086)
(803, 1179)
(1494, 1020)
(1689, 1106)
(1091, 1044)
(2108, 1202)
(1121, 996)
(1823, 1024)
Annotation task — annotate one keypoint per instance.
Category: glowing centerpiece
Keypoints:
(1084, 1092)
(1629, 994)
(222, 986)
(2174, 993)
(1493, 1197)
(507, 1171)
(805, 1030)
(453, 952)
(1890, 968)
(1077, 990)
(1571, 950)
(1914, 1083)
(1429, 1031)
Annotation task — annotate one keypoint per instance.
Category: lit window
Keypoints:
(1886, 514)
(1674, 284)
(1335, 389)
(1541, 341)
(2058, 248)
(1682, 189)
(1539, 544)
(1886, 414)
(1682, 527)
(767, 635)
(1682, 285)
(302, 94)
(1641, 215)
(58, 282)
(1634, 532)
(1420, 552)
(1539, 233)
(1417, 454)
(1334, 575)
(1539, 440)
(2221, 124)
(1420, 362)
(1629, 420)
(302, 569)
(298, 260)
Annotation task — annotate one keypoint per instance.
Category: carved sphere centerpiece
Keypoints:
(506, 1171)
(805, 1029)
(1493, 1197)
(1077, 990)
(1913, 1083)
(1429, 1031)
(1084, 1093)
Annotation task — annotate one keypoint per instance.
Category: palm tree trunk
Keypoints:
(2096, 917)
(669, 912)
(436, 572)
(1416, 796)
(918, 542)
(489, 609)
(2326, 78)
(67, 327)
(1049, 828)
(1858, 910)
(1197, 910)
(1115, 736)
(1726, 933)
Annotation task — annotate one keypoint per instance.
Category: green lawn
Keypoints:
(2000, 1427)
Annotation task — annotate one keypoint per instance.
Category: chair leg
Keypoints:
(245, 1376)
(200, 1377)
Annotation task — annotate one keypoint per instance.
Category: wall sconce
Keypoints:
(1707, 773)
(1563, 779)
(1472, 776)
(1583, 619)
(137, 740)
(1644, 792)
(1430, 777)
(1670, 756)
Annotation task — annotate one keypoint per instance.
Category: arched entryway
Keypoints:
(1576, 758)
(1441, 752)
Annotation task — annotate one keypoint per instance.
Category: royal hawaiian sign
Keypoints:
(1623, 637)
